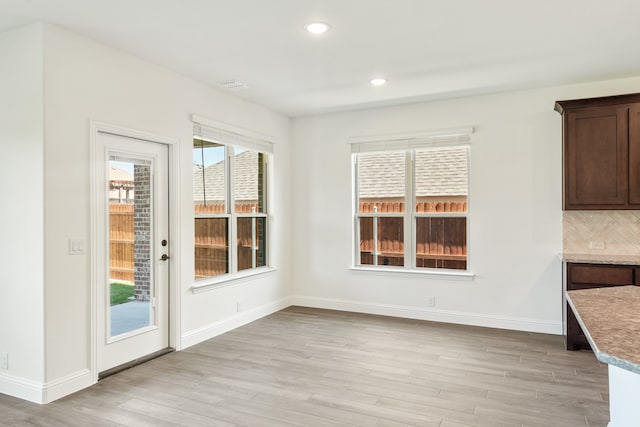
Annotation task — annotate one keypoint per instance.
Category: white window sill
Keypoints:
(230, 279)
(439, 274)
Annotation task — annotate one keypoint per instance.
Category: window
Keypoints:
(231, 218)
(411, 207)
(381, 207)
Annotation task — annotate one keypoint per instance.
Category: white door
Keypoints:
(133, 249)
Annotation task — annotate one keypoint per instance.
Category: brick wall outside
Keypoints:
(142, 231)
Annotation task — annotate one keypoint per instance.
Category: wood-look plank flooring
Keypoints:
(310, 367)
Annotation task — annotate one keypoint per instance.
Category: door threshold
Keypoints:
(107, 373)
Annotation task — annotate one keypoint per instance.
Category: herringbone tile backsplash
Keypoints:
(619, 230)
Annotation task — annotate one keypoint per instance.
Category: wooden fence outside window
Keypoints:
(211, 241)
(441, 242)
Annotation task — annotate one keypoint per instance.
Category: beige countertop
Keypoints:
(601, 258)
(610, 318)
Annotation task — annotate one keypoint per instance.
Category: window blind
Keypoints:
(443, 138)
(223, 134)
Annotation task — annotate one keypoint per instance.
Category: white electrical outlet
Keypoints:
(596, 244)
(431, 301)
(4, 360)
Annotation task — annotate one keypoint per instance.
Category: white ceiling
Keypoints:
(427, 49)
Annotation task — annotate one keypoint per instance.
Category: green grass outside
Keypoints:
(120, 292)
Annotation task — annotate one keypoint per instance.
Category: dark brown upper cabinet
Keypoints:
(601, 152)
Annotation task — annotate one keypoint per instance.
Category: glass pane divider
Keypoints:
(211, 215)
(440, 214)
(383, 214)
(254, 246)
(374, 249)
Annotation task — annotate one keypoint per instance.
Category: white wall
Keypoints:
(515, 208)
(85, 80)
(21, 215)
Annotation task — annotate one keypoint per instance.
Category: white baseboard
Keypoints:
(37, 392)
(225, 325)
(432, 314)
(21, 388)
(64, 386)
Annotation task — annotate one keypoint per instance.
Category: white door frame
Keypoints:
(174, 233)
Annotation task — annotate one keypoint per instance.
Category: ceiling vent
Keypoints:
(232, 84)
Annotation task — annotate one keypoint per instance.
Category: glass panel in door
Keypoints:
(130, 246)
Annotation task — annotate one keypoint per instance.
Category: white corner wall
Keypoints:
(515, 211)
(22, 213)
(84, 81)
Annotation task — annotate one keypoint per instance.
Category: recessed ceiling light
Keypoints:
(378, 81)
(317, 27)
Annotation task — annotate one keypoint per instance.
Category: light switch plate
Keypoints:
(77, 246)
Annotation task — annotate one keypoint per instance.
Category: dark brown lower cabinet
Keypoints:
(587, 276)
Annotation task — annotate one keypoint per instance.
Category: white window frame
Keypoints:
(233, 257)
(376, 215)
(409, 144)
(222, 134)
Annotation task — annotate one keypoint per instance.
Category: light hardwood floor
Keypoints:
(309, 367)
